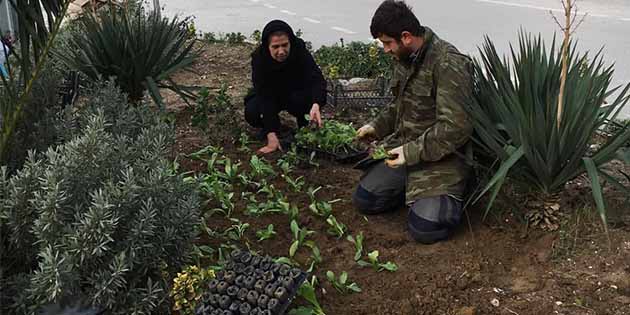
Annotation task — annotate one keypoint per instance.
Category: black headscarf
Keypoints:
(298, 72)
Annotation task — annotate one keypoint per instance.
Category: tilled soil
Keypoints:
(492, 266)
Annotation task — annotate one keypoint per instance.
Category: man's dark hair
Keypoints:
(394, 17)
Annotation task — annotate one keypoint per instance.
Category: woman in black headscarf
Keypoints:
(285, 77)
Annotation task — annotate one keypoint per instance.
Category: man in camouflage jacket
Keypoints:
(425, 128)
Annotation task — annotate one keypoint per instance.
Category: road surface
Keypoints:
(462, 22)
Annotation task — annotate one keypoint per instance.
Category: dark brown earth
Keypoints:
(492, 266)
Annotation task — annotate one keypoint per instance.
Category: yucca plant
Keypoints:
(515, 117)
(139, 49)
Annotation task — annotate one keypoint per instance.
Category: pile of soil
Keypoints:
(491, 266)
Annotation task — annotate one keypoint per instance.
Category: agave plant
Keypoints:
(139, 50)
(515, 117)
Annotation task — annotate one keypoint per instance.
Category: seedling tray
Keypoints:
(251, 285)
(352, 156)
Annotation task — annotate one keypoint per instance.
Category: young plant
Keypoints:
(333, 136)
(231, 170)
(260, 168)
(336, 228)
(188, 288)
(295, 184)
(380, 153)
(266, 234)
(236, 232)
(316, 256)
(322, 208)
(358, 245)
(289, 161)
(244, 142)
(307, 291)
(341, 283)
(299, 238)
(376, 265)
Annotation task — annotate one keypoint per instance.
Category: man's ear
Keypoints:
(406, 38)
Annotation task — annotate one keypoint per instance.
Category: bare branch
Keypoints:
(579, 23)
(556, 20)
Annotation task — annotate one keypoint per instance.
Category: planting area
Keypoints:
(492, 266)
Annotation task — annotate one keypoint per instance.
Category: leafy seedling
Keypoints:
(376, 265)
(260, 168)
(336, 228)
(266, 234)
(206, 152)
(333, 136)
(295, 184)
(244, 142)
(236, 232)
(307, 291)
(316, 256)
(358, 245)
(230, 171)
(299, 238)
(380, 153)
(341, 283)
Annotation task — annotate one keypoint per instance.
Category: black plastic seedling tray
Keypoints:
(251, 285)
(352, 156)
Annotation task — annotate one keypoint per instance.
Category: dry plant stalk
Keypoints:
(570, 26)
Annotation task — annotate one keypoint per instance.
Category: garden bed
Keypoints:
(494, 266)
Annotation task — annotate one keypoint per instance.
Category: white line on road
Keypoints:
(529, 6)
(343, 30)
(307, 19)
(512, 4)
(288, 12)
(270, 6)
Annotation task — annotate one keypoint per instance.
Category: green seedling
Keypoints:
(289, 161)
(266, 234)
(316, 257)
(287, 261)
(244, 142)
(206, 152)
(230, 171)
(376, 265)
(236, 232)
(341, 283)
(307, 291)
(336, 228)
(260, 168)
(358, 245)
(299, 238)
(295, 184)
(380, 153)
(333, 136)
(322, 208)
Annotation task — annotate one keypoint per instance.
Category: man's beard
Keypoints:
(404, 54)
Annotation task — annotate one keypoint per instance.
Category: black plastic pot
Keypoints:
(230, 276)
(232, 291)
(222, 287)
(263, 300)
(281, 294)
(235, 306)
(242, 294)
(212, 285)
(260, 286)
(225, 302)
(252, 297)
(270, 289)
(249, 282)
(273, 305)
(245, 308)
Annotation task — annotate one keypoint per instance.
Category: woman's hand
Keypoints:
(316, 115)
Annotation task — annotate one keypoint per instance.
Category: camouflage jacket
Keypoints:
(428, 119)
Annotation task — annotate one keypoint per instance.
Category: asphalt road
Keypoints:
(462, 22)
